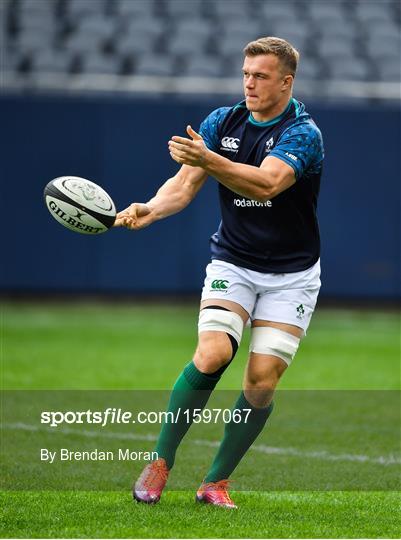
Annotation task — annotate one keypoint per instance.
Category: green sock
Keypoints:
(191, 391)
(238, 437)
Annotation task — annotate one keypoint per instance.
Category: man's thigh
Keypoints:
(290, 305)
(228, 286)
(290, 311)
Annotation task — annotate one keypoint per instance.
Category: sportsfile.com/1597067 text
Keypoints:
(114, 415)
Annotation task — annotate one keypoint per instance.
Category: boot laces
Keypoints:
(220, 488)
(156, 476)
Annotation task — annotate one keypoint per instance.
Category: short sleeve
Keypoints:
(301, 147)
(209, 128)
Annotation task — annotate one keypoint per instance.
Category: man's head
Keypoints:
(269, 69)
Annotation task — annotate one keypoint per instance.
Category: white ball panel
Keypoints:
(86, 193)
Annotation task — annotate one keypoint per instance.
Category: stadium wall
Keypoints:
(121, 143)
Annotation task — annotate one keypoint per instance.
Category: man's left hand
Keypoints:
(188, 151)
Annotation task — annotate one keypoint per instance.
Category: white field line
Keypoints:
(323, 455)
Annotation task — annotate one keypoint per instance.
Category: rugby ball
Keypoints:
(80, 205)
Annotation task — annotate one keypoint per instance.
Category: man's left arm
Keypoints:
(258, 183)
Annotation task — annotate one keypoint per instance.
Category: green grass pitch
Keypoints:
(110, 347)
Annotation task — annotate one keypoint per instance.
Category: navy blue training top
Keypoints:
(281, 235)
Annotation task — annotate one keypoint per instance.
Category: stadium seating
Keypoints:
(372, 12)
(389, 69)
(162, 65)
(344, 29)
(180, 44)
(96, 25)
(294, 33)
(329, 48)
(130, 9)
(100, 63)
(143, 23)
(349, 68)
(234, 10)
(135, 43)
(76, 9)
(177, 9)
(203, 66)
(354, 40)
(311, 70)
(230, 44)
(83, 43)
(47, 61)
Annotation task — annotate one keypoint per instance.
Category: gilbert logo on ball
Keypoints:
(80, 205)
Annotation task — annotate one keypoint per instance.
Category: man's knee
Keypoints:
(220, 332)
(261, 378)
(214, 351)
(264, 373)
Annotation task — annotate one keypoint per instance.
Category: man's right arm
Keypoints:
(173, 196)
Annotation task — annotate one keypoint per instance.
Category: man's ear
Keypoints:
(287, 82)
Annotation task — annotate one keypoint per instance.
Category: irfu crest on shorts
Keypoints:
(300, 311)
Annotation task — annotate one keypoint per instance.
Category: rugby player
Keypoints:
(266, 154)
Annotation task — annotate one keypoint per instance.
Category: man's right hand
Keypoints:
(136, 216)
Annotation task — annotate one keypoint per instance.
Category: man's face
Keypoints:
(264, 82)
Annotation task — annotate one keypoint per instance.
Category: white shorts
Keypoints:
(285, 298)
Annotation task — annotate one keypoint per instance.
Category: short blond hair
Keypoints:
(285, 52)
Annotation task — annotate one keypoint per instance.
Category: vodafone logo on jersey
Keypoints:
(230, 144)
(246, 203)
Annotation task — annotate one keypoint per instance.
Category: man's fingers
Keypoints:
(181, 140)
(192, 133)
(122, 215)
(119, 221)
(176, 158)
(140, 223)
(131, 224)
(124, 222)
(177, 148)
(178, 152)
(187, 151)
(183, 151)
(130, 216)
(129, 212)
(180, 146)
